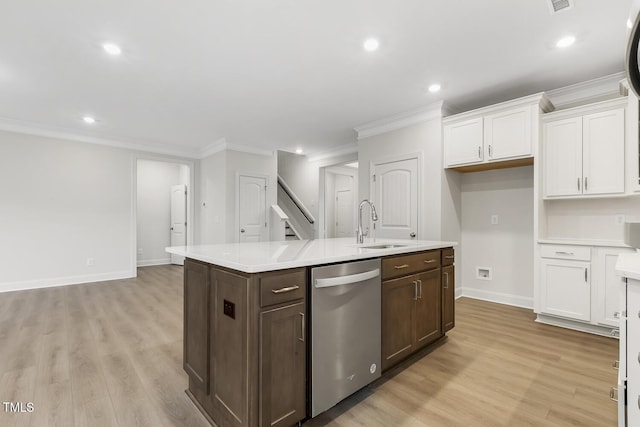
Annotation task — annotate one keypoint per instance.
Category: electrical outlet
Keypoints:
(90, 262)
(619, 219)
(483, 273)
(494, 219)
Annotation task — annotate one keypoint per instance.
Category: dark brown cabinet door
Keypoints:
(197, 289)
(428, 319)
(448, 298)
(398, 298)
(283, 362)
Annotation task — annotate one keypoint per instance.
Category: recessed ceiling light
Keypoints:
(89, 120)
(298, 150)
(629, 24)
(434, 88)
(566, 41)
(371, 44)
(112, 49)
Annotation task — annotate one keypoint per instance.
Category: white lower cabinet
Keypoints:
(579, 288)
(566, 289)
(629, 375)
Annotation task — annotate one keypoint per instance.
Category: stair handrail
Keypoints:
(296, 201)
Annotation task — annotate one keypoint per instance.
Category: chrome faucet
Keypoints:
(374, 217)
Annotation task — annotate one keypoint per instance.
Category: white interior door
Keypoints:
(252, 209)
(178, 220)
(344, 213)
(396, 199)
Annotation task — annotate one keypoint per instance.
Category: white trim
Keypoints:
(63, 281)
(605, 331)
(399, 121)
(150, 262)
(29, 128)
(342, 150)
(541, 99)
(585, 91)
(498, 297)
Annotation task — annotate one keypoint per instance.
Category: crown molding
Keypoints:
(36, 129)
(342, 150)
(222, 145)
(589, 90)
(399, 121)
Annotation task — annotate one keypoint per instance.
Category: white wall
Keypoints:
(506, 248)
(62, 203)
(153, 220)
(217, 197)
(589, 219)
(439, 205)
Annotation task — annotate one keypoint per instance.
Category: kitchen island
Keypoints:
(246, 328)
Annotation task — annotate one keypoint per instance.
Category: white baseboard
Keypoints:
(64, 281)
(150, 262)
(501, 298)
(605, 331)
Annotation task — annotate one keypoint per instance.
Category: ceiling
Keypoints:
(283, 73)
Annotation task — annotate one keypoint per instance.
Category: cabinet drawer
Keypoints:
(582, 253)
(279, 288)
(447, 256)
(409, 264)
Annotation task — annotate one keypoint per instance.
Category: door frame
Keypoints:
(265, 231)
(392, 159)
(133, 256)
(322, 205)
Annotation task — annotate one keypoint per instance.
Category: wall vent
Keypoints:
(559, 5)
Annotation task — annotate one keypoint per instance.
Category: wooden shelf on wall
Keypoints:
(495, 165)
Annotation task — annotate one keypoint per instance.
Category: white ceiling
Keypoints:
(284, 73)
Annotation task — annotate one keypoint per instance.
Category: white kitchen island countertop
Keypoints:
(269, 256)
(628, 265)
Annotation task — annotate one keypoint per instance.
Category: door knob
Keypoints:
(412, 234)
(242, 230)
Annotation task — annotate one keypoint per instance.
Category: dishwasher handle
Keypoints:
(346, 280)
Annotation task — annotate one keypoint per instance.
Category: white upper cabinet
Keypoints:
(508, 134)
(488, 137)
(583, 151)
(463, 142)
(603, 152)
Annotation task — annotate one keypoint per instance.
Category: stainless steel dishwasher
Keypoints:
(345, 331)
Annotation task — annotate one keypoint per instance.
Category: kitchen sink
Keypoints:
(383, 246)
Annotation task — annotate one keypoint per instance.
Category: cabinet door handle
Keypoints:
(613, 394)
(287, 289)
(446, 280)
(415, 290)
(419, 288)
(585, 274)
(578, 183)
(479, 152)
(449, 256)
(586, 186)
(429, 261)
(400, 267)
(301, 327)
(490, 155)
(563, 253)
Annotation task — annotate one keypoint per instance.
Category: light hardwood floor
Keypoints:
(110, 353)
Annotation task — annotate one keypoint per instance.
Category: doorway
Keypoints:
(251, 209)
(340, 194)
(395, 195)
(162, 210)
